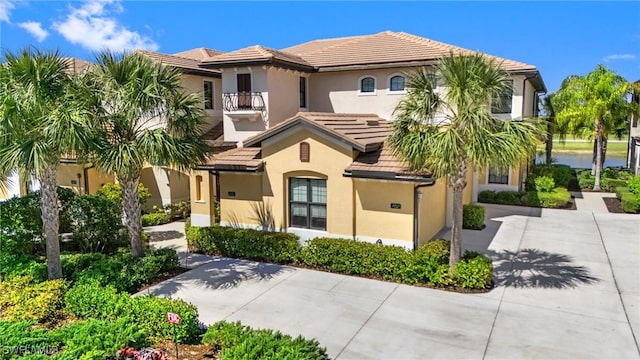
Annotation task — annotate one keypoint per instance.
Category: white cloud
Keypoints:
(5, 10)
(619, 57)
(35, 29)
(92, 27)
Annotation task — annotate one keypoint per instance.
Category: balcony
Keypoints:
(243, 105)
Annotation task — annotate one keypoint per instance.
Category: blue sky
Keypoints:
(560, 38)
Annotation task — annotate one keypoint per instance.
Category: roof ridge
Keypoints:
(262, 50)
(351, 40)
(165, 54)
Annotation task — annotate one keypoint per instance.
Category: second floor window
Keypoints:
(303, 92)
(396, 83)
(501, 103)
(368, 85)
(208, 95)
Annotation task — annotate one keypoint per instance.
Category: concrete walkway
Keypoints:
(567, 287)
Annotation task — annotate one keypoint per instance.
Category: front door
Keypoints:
(244, 91)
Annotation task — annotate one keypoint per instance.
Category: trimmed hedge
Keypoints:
(473, 217)
(153, 219)
(236, 341)
(561, 175)
(273, 247)
(501, 197)
(559, 197)
(630, 202)
(429, 264)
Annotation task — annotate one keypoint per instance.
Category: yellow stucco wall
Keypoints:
(514, 176)
(432, 210)
(327, 160)
(97, 179)
(374, 216)
(179, 183)
(203, 207)
(238, 207)
(68, 177)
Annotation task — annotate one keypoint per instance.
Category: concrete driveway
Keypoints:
(567, 287)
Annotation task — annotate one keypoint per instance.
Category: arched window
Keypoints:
(367, 85)
(304, 152)
(396, 83)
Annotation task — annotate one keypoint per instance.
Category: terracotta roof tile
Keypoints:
(238, 159)
(383, 160)
(253, 53)
(177, 61)
(198, 53)
(364, 132)
(384, 47)
(76, 66)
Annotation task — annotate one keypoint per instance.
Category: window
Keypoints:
(308, 203)
(208, 95)
(368, 85)
(304, 152)
(198, 188)
(303, 92)
(498, 175)
(396, 83)
(501, 103)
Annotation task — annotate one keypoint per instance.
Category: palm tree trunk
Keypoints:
(50, 220)
(598, 162)
(549, 145)
(457, 184)
(131, 212)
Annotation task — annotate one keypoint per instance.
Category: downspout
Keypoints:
(416, 211)
(85, 173)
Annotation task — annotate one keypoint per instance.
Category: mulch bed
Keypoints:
(614, 205)
(187, 352)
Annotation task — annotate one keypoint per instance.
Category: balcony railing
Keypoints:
(243, 101)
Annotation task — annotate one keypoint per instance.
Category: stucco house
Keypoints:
(310, 122)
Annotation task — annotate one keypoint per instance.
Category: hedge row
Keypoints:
(630, 201)
(557, 198)
(428, 265)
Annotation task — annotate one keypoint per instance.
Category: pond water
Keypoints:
(584, 160)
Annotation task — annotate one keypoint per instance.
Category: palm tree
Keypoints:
(38, 125)
(449, 131)
(141, 116)
(550, 115)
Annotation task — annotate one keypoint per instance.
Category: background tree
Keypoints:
(141, 116)
(38, 125)
(550, 117)
(594, 105)
(449, 131)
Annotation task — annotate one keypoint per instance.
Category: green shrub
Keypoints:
(634, 185)
(178, 210)
(20, 225)
(610, 185)
(238, 342)
(544, 184)
(585, 179)
(630, 202)
(429, 264)
(559, 197)
(561, 175)
(12, 265)
(99, 339)
(507, 197)
(151, 313)
(474, 271)
(21, 300)
(355, 257)
(91, 300)
(25, 336)
(113, 192)
(473, 217)
(487, 196)
(249, 244)
(154, 219)
(97, 222)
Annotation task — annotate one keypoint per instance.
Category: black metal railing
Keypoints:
(243, 101)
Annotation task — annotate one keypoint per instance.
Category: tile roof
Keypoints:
(383, 161)
(238, 159)
(198, 53)
(178, 62)
(255, 53)
(384, 47)
(365, 132)
(76, 66)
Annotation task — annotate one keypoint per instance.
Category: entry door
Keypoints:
(244, 91)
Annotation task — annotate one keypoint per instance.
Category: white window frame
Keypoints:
(396, 92)
(498, 184)
(375, 86)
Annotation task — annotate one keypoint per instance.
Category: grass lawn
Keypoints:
(614, 148)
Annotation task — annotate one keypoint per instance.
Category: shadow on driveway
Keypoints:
(164, 235)
(533, 268)
(221, 274)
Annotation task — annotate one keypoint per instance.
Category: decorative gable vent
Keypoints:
(304, 152)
